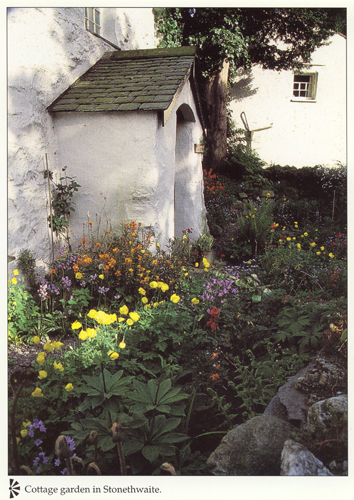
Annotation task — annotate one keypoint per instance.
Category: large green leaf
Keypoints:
(106, 443)
(164, 387)
(132, 446)
(172, 437)
(150, 452)
(163, 425)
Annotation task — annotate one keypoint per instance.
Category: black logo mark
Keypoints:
(14, 488)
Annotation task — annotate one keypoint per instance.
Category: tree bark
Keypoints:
(216, 95)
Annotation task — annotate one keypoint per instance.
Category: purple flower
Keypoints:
(64, 472)
(38, 470)
(54, 289)
(36, 461)
(31, 433)
(42, 428)
(103, 290)
(57, 462)
(42, 290)
(38, 442)
(92, 278)
(71, 443)
(36, 423)
(117, 297)
(66, 282)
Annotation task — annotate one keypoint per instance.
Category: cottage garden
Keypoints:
(145, 359)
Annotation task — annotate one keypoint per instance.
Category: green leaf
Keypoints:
(163, 425)
(132, 446)
(164, 387)
(256, 298)
(173, 437)
(106, 443)
(143, 391)
(150, 452)
(163, 408)
(152, 388)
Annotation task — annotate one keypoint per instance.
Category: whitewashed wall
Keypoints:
(302, 133)
(125, 164)
(48, 49)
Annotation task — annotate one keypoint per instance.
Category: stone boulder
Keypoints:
(327, 414)
(251, 449)
(297, 460)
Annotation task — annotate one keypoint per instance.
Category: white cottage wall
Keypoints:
(48, 49)
(302, 133)
(113, 159)
(188, 210)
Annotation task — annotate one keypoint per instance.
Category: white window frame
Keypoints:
(93, 20)
(309, 89)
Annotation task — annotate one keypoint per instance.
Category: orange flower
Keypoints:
(76, 268)
(79, 261)
(98, 245)
(214, 376)
(118, 273)
(115, 250)
(83, 240)
(52, 271)
(215, 355)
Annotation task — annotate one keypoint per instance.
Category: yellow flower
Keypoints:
(306, 234)
(76, 325)
(164, 286)
(40, 358)
(130, 322)
(26, 423)
(318, 253)
(48, 347)
(14, 281)
(91, 314)
(78, 276)
(249, 262)
(205, 262)
(175, 298)
(196, 264)
(120, 320)
(153, 284)
(122, 345)
(113, 355)
(322, 248)
(24, 433)
(331, 255)
(105, 319)
(91, 333)
(58, 366)
(83, 335)
(195, 301)
(56, 344)
(101, 276)
(313, 244)
(37, 393)
(288, 239)
(144, 300)
(36, 339)
(69, 387)
(134, 316)
(124, 310)
(142, 291)
(158, 245)
(16, 272)
(299, 246)
(42, 374)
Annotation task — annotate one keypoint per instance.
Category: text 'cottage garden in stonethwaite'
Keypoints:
(177, 242)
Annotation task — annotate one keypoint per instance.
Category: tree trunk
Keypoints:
(216, 100)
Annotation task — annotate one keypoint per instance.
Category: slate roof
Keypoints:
(130, 80)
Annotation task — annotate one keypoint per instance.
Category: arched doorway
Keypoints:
(183, 157)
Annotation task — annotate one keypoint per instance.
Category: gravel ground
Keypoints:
(21, 356)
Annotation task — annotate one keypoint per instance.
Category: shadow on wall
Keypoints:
(243, 87)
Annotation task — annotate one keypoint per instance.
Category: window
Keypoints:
(92, 20)
(304, 87)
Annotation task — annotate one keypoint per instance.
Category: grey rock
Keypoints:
(290, 403)
(251, 449)
(297, 460)
(215, 230)
(327, 413)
